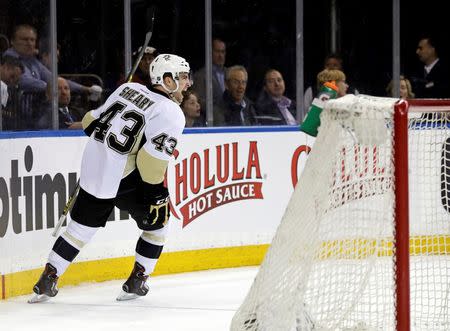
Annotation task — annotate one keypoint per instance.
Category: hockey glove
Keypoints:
(156, 198)
(159, 212)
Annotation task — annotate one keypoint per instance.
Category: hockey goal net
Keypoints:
(364, 243)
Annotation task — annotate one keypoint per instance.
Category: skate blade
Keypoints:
(124, 296)
(38, 298)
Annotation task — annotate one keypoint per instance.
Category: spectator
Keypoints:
(337, 77)
(142, 75)
(36, 75)
(272, 106)
(10, 71)
(432, 80)
(333, 86)
(4, 43)
(405, 88)
(219, 52)
(191, 108)
(44, 53)
(333, 61)
(92, 100)
(235, 108)
(69, 118)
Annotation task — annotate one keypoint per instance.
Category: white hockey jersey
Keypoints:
(129, 114)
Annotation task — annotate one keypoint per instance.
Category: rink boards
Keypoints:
(229, 188)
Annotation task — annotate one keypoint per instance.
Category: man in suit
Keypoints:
(218, 74)
(273, 107)
(433, 80)
(68, 117)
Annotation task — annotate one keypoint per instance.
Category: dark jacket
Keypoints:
(268, 112)
(65, 115)
(228, 113)
(200, 85)
(436, 84)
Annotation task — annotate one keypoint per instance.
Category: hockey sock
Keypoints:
(149, 248)
(69, 244)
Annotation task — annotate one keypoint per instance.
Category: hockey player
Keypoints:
(131, 139)
(332, 85)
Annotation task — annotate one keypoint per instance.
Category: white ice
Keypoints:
(195, 301)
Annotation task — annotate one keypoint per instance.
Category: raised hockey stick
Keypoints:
(148, 36)
(74, 194)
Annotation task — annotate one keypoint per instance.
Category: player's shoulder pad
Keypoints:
(169, 110)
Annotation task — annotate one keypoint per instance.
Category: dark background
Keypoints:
(259, 35)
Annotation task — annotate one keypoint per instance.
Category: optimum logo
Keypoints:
(200, 188)
(22, 197)
(27, 200)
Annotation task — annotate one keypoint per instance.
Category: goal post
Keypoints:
(364, 243)
(401, 218)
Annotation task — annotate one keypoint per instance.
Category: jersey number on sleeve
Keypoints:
(129, 131)
(164, 143)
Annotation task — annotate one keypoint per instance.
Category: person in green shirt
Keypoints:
(332, 85)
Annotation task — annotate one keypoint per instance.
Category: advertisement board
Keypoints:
(228, 188)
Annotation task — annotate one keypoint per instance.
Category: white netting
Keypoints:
(330, 265)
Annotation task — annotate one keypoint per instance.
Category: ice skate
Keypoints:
(136, 285)
(46, 287)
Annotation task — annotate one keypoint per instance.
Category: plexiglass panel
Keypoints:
(250, 36)
(24, 77)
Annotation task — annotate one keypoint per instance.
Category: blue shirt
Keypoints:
(36, 76)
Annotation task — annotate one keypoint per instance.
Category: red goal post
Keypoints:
(364, 243)
(402, 112)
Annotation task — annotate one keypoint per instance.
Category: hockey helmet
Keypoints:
(167, 64)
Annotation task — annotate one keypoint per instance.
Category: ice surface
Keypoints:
(200, 301)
